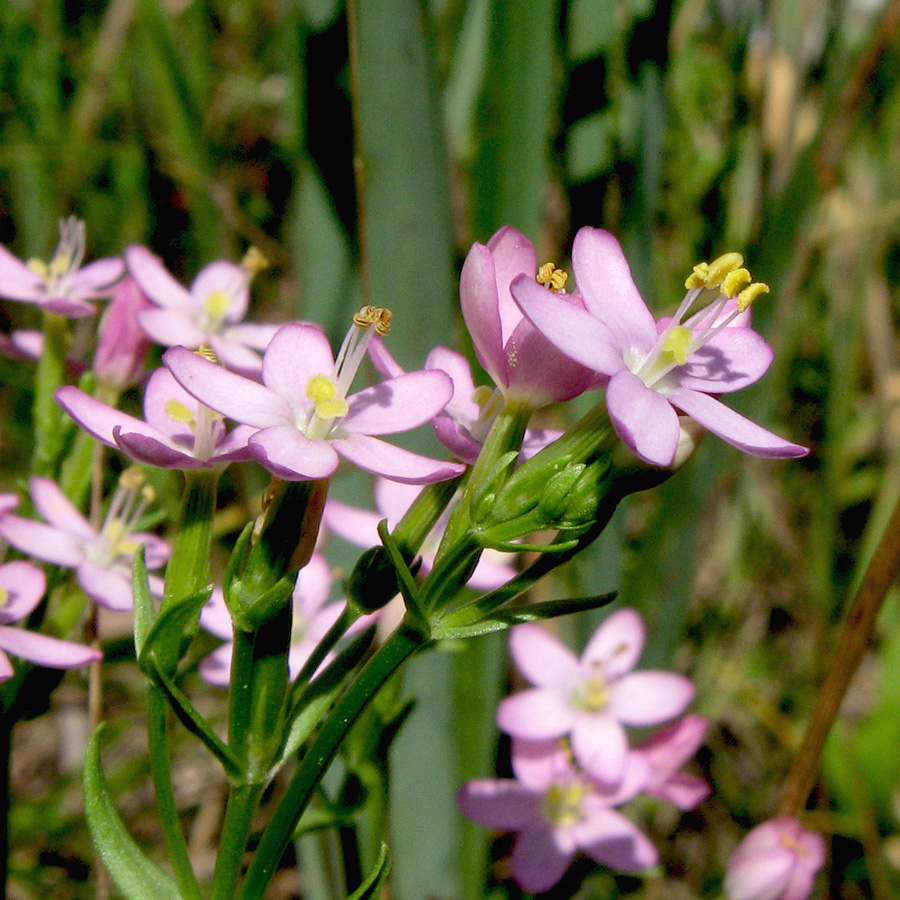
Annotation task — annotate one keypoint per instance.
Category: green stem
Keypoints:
(48, 417)
(242, 802)
(161, 771)
(401, 645)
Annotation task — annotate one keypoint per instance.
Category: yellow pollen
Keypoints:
(321, 389)
(555, 279)
(711, 275)
(678, 344)
(148, 493)
(39, 267)
(332, 409)
(217, 304)
(132, 478)
(178, 412)
(254, 262)
(4, 596)
(698, 277)
(750, 293)
(207, 353)
(374, 315)
(734, 282)
(59, 265)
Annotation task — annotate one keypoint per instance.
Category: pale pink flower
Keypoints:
(590, 699)
(22, 586)
(121, 343)
(778, 860)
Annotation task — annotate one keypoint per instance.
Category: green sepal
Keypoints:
(485, 496)
(144, 605)
(405, 582)
(373, 582)
(165, 643)
(371, 887)
(252, 615)
(517, 547)
(238, 558)
(532, 612)
(136, 877)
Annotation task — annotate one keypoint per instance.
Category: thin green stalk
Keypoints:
(161, 771)
(243, 800)
(48, 417)
(399, 647)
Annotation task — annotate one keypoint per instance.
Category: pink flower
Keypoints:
(523, 363)
(778, 860)
(392, 500)
(179, 432)
(101, 559)
(22, 586)
(654, 369)
(210, 313)
(306, 418)
(63, 286)
(665, 752)
(121, 344)
(557, 811)
(590, 699)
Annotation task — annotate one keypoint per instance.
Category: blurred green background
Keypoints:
(688, 129)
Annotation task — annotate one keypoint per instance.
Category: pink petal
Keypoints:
(398, 404)
(358, 526)
(501, 804)
(257, 335)
(385, 364)
(543, 659)
(479, 301)
(538, 714)
(155, 451)
(105, 587)
(58, 510)
(313, 587)
(172, 328)
(231, 280)
(393, 499)
(575, 331)
(97, 278)
(611, 840)
(616, 645)
(155, 281)
(17, 280)
(490, 572)
(42, 541)
(537, 862)
(289, 454)
(733, 427)
(297, 353)
(95, 417)
(215, 668)
(733, 359)
(452, 436)
(513, 255)
(643, 419)
(648, 698)
(600, 745)
(538, 765)
(671, 747)
(682, 790)
(605, 281)
(45, 650)
(381, 458)
(236, 357)
(24, 584)
(232, 395)
(214, 616)
(6, 668)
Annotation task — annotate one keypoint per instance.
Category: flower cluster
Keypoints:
(571, 757)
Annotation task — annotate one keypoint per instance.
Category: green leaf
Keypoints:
(162, 646)
(371, 887)
(135, 876)
(144, 607)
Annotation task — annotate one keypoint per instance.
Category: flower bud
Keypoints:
(121, 344)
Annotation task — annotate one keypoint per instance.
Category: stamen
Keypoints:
(178, 412)
(207, 353)
(734, 282)
(678, 344)
(554, 278)
(749, 294)
(216, 305)
(254, 262)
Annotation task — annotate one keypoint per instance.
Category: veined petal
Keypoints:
(616, 645)
(381, 458)
(296, 353)
(398, 404)
(234, 396)
(605, 281)
(42, 541)
(148, 271)
(733, 427)
(733, 359)
(24, 584)
(44, 650)
(643, 419)
(648, 698)
(289, 454)
(171, 327)
(543, 659)
(502, 804)
(575, 331)
(538, 714)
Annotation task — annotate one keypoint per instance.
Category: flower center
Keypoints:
(552, 277)
(66, 259)
(116, 543)
(562, 803)
(682, 338)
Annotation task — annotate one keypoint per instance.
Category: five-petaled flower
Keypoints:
(209, 314)
(590, 699)
(22, 586)
(304, 415)
(62, 286)
(556, 811)
(778, 860)
(101, 559)
(655, 368)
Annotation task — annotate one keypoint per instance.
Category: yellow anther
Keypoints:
(132, 478)
(678, 344)
(148, 493)
(383, 324)
(698, 277)
(332, 409)
(178, 412)
(217, 304)
(374, 315)
(750, 293)
(723, 266)
(734, 282)
(59, 265)
(207, 353)
(4, 596)
(321, 389)
(254, 262)
(39, 267)
(552, 277)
